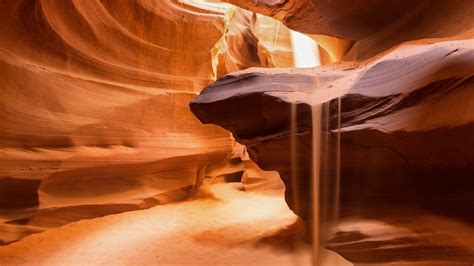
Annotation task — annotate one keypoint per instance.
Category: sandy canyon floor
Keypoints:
(222, 225)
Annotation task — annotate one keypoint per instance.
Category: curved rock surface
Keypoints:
(406, 137)
(94, 108)
(95, 120)
(84, 87)
(372, 26)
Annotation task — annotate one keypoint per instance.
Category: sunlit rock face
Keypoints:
(94, 104)
(406, 143)
(95, 118)
(373, 25)
(405, 125)
(84, 88)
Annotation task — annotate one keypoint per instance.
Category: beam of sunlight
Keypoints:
(305, 50)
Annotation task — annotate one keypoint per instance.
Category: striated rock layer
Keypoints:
(95, 119)
(94, 103)
(84, 87)
(402, 112)
(406, 141)
(371, 26)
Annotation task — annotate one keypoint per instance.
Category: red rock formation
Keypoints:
(95, 119)
(94, 104)
(400, 137)
(84, 88)
(374, 26)
(406, 122)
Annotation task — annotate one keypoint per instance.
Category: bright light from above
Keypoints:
(214, 6)
(305, 50)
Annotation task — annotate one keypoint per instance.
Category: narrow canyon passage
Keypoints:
(237, 132)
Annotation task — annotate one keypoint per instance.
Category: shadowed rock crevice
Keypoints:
(406, 139)
(94, 121)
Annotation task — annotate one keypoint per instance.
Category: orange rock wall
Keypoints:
(94, 104)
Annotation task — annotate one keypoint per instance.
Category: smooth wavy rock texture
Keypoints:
(406, 142)
(96, 121)
(94, 110)
(371, 26)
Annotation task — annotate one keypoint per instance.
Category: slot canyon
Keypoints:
(229, 132)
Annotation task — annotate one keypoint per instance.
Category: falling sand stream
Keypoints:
(325, 179)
